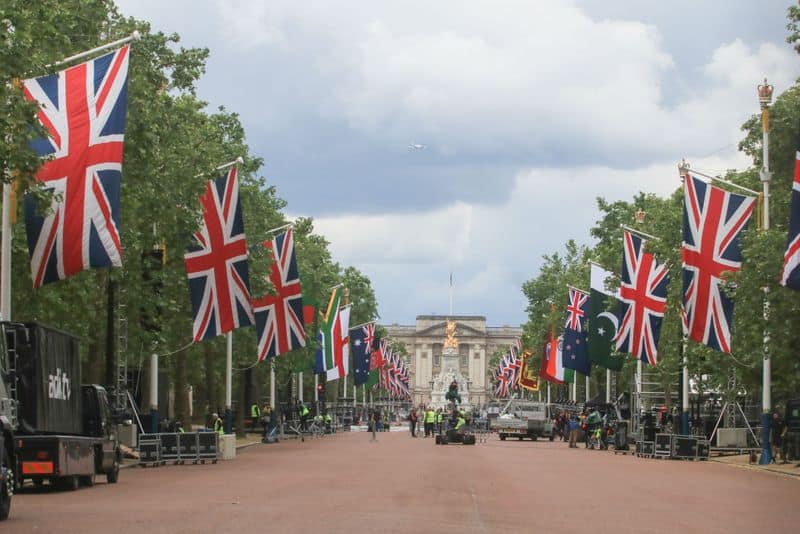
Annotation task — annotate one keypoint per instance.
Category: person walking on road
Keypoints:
(573, 426)
(438, 422)
(255, 415)
(219, 426)
(373, 424)
(303, 409)
(412, 422)
(429, 418)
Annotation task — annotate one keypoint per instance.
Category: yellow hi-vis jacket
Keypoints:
(429, 416)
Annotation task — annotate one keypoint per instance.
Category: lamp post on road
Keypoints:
(764, 100)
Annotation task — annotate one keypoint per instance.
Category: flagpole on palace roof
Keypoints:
(135, 36)
(451, 294)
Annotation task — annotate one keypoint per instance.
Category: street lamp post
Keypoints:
(765, 99)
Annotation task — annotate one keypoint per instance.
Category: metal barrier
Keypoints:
(674, 446)
(178, 447)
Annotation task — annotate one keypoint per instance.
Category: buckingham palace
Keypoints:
(442, 348)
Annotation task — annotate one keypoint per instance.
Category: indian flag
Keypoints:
(555, 363)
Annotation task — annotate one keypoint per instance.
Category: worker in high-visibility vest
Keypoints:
(219, 426)
(430, 418)
(439, 419)
(460, 421)
(304, 415)
(255, 415)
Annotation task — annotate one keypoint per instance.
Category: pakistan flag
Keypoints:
(602, 323)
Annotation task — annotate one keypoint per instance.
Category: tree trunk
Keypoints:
(94, 370)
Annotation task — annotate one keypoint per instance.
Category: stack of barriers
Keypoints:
(178, 447)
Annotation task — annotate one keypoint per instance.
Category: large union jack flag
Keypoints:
(279, 317)
(642, 300)
(217, 267)
(83, 110)
(713, 221)
(790, 272)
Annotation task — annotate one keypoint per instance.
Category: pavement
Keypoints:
(743, 461)
(347, 483)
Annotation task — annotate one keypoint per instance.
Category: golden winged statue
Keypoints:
(451, 342)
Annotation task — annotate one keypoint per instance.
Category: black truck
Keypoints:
(54, 429)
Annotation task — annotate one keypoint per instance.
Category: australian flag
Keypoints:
(362, 343)
(575, 348)
(790, 273)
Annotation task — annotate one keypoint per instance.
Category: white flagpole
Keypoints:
(587, 388)
(608, 385)
(300, 386)
(272, 384)
(228, 384)
(548, 393)
(765, 99)
(135, 36)
(5, 255)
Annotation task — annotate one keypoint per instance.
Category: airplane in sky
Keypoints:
(416, 146)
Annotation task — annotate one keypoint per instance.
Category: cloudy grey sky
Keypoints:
(528, 110)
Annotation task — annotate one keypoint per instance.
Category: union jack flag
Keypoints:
(279, 317)
(217, 267)
(504, 376)
(516, 364)
(642, 300)
(713, 220)
(83, 110)
(790, 273)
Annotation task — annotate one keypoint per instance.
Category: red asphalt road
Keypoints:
(345, 483)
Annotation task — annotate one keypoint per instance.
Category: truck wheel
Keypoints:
(534, 438)
(113, 475)
(88, 480)
(6, 487)
(552, 437)
(6, 492)
(520, 438)
(70, 483)
(502, 437)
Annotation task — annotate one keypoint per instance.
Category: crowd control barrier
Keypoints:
(675, 447)
(178, 447)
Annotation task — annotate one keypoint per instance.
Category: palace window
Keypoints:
(436, 359)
